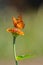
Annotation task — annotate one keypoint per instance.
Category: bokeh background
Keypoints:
(32, 41)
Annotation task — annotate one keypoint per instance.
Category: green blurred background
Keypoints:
(31, 42)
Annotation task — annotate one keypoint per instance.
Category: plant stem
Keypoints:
(14, 50)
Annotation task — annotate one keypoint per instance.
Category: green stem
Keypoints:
(14, 50)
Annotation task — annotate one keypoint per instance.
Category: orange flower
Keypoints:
(18, 23)
(15, 30)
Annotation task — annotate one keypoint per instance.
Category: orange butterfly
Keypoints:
(18, 23)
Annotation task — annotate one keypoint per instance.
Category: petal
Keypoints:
(12, 30)
(20, 32)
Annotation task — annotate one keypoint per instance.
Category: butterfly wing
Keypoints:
(20, 23)
(14, 21)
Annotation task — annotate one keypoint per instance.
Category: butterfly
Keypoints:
(18, 23)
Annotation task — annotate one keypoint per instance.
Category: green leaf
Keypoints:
(23, 57)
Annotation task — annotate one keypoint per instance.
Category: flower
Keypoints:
(15, 31)
(18, 23)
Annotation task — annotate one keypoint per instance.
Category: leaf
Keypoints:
(23, 57)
